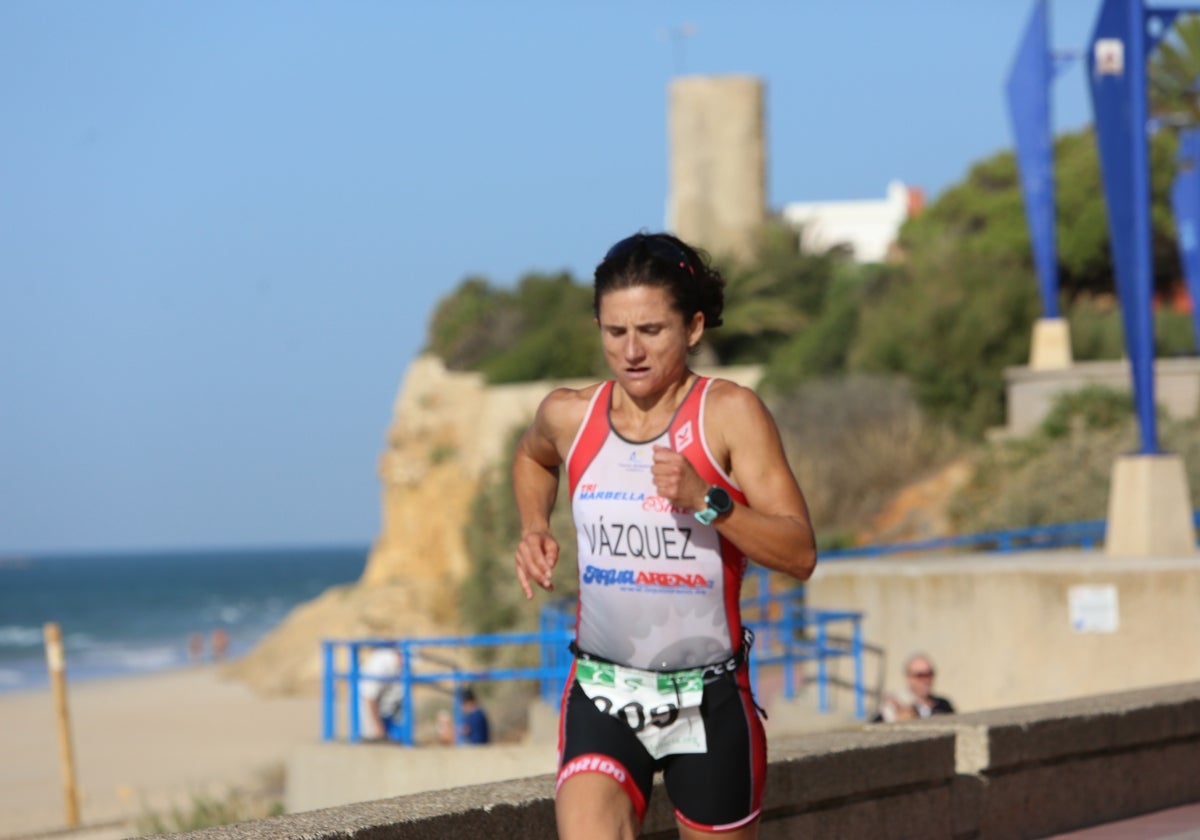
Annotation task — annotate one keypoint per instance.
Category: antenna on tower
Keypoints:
(677, 35)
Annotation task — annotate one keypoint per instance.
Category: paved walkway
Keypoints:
(1182, 823)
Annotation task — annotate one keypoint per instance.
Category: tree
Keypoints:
(1173, 71)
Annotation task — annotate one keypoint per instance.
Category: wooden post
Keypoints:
(58, 684)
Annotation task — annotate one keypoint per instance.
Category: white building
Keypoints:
(868, 226)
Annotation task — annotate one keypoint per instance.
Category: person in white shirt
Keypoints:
(379, 695)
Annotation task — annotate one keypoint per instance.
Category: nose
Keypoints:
(633, 350)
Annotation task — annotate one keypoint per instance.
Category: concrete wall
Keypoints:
(999, 627)
(717, 191)
(1031, 393)
(1022, 772)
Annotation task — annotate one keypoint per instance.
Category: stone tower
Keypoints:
(717, 168)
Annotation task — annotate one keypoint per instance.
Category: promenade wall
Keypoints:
(1021, 772)
(1012, 629)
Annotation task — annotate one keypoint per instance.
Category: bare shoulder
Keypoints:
(729, 401)
(737, 421)
(562, 412)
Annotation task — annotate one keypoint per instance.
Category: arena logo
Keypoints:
(630, 577)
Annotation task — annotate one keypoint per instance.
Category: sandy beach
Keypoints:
(141, 743)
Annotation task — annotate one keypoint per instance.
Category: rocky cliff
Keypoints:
(448, 429)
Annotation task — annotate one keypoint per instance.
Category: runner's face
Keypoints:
(645, 339)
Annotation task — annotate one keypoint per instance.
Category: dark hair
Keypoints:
(466, 694)
(666, 261)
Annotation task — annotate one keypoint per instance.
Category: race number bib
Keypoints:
(662, 709)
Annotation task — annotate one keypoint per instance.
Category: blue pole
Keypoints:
(822, 676)
(860, 702)
(1143, 361)
(355, 713)
(328, 691)
(406, 711)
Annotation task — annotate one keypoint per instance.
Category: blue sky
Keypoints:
(223, 225)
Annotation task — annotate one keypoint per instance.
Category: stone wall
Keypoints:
(1023, 772)
(1030, 393)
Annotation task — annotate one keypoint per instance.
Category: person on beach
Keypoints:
(220, 644)
(675, 480)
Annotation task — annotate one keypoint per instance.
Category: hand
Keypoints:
(895, 710)
(537, 554)
(676, 479)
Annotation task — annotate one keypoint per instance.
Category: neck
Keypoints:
(668, 398)
(643, 416)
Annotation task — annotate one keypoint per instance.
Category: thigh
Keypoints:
(596, 743)
(721, 789)
(591, 805)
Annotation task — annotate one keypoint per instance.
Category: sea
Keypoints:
(133, 613)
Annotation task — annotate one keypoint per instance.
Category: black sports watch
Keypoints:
(718, 503)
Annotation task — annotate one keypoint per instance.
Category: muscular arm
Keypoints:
(773, 528)
(535, 473)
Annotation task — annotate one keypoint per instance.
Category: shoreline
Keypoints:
(143, 742)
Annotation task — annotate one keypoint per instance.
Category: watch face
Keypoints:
(719, 500)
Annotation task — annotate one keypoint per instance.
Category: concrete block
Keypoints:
(1001, 740)
(1051, 346)
(1150, 508)
(1058, 797)
(831, 766)
(505, 811)
(331, 774)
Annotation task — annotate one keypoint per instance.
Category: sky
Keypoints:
(225, 224)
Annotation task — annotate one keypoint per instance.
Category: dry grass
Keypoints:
(854, 444)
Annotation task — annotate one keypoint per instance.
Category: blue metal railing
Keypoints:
(802, 634)
(1085, 534)
(788, 632)
(431, 670)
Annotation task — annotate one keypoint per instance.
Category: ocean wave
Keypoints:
(17, 636)
(122, 658)
(80, 641)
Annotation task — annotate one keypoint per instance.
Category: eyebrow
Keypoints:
(640, 324)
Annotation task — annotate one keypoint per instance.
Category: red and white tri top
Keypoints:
(658, 590)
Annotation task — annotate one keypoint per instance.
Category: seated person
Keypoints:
(475, 722)
(921, 701)
(474, 728)
(379, 696)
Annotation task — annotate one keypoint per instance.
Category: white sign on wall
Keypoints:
(1093, 608)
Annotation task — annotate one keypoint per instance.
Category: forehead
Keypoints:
(918, 664)
(639, 304)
